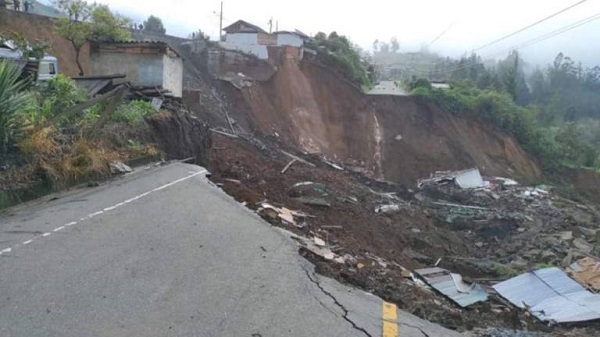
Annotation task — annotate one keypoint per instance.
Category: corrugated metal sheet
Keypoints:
(453, 286)
(551, 296)
(93, 86)
(469, 178)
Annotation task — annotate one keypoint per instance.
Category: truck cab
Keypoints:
(47, 68)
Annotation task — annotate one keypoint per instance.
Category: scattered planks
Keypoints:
(288, 166)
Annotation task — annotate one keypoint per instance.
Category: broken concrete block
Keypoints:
(120, 168)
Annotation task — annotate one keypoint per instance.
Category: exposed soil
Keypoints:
(398, 139)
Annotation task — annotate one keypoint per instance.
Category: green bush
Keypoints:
(554, 147)
(53, 101)
(347, 55)
(133, 112)
(13, 98)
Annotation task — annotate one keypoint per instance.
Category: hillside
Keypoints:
(392, 138)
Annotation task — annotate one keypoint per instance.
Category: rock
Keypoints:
(568, 259)
(479, 244)
(519, 262)
(532, 254)
(420, 197)
(387, 209)
(350, 259)
(416, 230)
(590, 233)
(548, 256)
(566, 236)
(582, 246)
(119, 168)
(521, 229)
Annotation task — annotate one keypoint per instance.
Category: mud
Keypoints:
(398, 139)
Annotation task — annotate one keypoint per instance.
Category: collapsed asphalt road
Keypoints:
(165, 253)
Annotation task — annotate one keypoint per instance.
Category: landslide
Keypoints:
(395, 138)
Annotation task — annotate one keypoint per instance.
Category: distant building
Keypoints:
(440, 85)
(251, 39)
(150, 64)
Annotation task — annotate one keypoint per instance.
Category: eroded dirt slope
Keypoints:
(393, 138)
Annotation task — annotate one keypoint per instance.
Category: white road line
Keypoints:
(95, 214)
(111, 208)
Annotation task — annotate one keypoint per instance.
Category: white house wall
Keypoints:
(242, 38)
(141, 70)
(173, 75)
(289, 40)
(253, 49)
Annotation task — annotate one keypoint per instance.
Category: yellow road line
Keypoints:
(390, 315)
(390, 329)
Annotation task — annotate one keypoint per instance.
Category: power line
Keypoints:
(441, 34)
(531, 25)
(559, 31)
(522, 45)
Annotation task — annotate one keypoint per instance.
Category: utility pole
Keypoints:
(221, 23)
(277, 25)
(271, 26)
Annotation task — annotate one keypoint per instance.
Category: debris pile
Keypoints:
(436, 251)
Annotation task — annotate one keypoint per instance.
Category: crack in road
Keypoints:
(415, 327)
(341, 306)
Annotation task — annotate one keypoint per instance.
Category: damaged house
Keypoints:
(145, 64)
(251, 39)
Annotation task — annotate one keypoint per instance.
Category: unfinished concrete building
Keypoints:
(146, 64)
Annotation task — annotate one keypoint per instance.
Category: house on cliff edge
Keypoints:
(146, 64)
(251, 39)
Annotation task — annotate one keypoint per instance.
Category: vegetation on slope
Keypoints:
(545, 116)
(45, 136)
(346, 54)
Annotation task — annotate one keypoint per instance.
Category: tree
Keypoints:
(107, 26)
(198, 35)
(75, 27)
(154, 25)
(394, 44)
(89, 22)
(375, 46)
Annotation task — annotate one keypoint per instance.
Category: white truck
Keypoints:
(42, 70)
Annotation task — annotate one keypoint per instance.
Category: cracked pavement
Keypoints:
(162, 252)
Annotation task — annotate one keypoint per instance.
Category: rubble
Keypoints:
(286, 215)
(387, 209)
(470, 178)
(120, 168)
(485, 234)
(453, 286)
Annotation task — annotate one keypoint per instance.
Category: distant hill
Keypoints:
(40, 8)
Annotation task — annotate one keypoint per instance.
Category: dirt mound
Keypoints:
(393, 138)
(181, 135)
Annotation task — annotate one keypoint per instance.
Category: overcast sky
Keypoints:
(414, 23)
